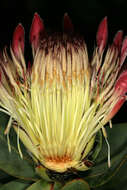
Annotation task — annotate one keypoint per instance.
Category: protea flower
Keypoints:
(58, 104)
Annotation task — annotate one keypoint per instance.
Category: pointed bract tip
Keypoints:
(124, 46)
(121, 89)
(123, 51)
(102, 34)
(121, 83)
(18, 40)
(117, 41)
(115, 109)
(37, 30)
(67, 24)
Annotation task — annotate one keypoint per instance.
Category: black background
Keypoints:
(85, 15)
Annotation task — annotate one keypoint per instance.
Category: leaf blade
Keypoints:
(40, 185)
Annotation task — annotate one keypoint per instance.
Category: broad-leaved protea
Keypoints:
(59, 102)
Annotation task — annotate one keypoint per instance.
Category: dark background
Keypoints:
(85, 15)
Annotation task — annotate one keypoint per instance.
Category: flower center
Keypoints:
(61, 164)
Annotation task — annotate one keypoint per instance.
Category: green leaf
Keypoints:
(12, 135)
(40, 185)
(41, 171)
(78, 184)
(5, 178)
(118, 181)
(15, 185)
(3, 175)
(101, 174)
(57, 186)
(97, 149)
(11, 163)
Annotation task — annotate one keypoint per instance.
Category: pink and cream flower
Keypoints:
(58, 104)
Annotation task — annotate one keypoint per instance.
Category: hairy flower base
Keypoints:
(58, 104)
(60, 163)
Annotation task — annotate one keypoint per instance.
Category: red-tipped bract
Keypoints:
(102, 35)
(18, 40)
(37, 30)
(67, 24)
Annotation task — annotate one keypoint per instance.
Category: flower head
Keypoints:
(58, 104)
